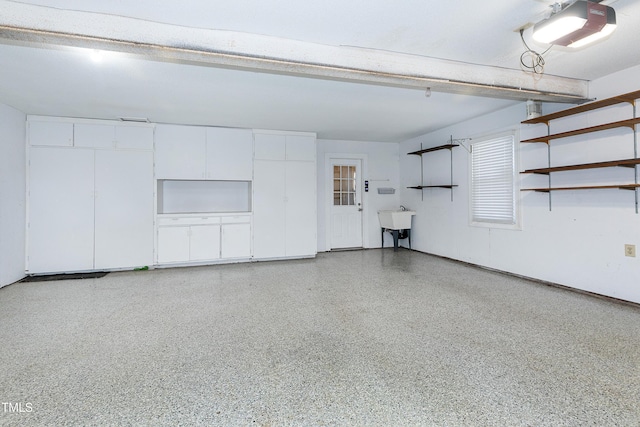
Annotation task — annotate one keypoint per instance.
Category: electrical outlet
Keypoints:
(630, 250)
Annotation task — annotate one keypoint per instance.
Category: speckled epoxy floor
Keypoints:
(351, 338)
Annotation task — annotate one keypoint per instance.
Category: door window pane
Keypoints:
(344, 185)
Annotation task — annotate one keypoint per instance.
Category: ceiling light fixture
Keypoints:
(576, 25)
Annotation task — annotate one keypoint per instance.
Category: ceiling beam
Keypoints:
(53, 28)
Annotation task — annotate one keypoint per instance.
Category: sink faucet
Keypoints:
(402, 208)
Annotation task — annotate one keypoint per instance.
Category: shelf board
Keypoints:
(629, 163)
(427, 150)
(627, 97)
(585, 187)
(623, 123)
(420, 187)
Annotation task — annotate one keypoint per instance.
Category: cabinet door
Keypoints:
(236, 240)
(205, 242)
(59, 134)
(180, 152)
(269, 146)
(123, 209)
(301, 212)
(60, 210)
(93, 136)
(229, 154)
(134, 137)
(301, 147)
(173, 244)
(268, 209)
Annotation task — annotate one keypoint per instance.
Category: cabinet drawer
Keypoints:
(236, 219)
(189, 220)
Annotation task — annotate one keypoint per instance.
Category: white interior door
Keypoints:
(346, 203)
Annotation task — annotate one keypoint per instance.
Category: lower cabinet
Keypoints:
(236, 240)
(204, 242)
(183, 239)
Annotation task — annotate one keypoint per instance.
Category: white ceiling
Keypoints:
(43, 79)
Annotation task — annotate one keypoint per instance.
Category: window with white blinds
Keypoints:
(493, 181)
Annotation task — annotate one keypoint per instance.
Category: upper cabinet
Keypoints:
(196, 152)
(82, 133)
(180, 152)
(229, 154)
(278, 146)
(48, 133)
(299, 147)
(113, 136)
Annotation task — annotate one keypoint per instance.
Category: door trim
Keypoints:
(328, 190)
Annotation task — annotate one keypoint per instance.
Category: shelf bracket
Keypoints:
(635, 153)
(549, 164)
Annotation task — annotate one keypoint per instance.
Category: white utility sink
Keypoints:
(395, 220)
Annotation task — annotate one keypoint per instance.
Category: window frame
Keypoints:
(515, 190)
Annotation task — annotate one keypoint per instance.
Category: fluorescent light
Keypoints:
(558, 28)
(607, 30)
(576, 25)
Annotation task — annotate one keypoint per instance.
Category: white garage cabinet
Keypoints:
(90, 205)
(284, 195)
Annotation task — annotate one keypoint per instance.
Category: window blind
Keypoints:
(493, 181)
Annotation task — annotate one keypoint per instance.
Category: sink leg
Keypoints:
(382, 233)
(409, 236)
(395, 240)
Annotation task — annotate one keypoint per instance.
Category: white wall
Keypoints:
(580, 242)
(381, 170)
(12, 194)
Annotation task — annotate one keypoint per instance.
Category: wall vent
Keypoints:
(135, 119)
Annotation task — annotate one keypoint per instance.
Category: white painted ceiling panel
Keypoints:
(66, 82)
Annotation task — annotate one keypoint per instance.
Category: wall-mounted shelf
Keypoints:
(420, 187)
(584, 187)
(450, 146)
(629, 163)
(429, 150)
(627, 97)
(623, 123)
